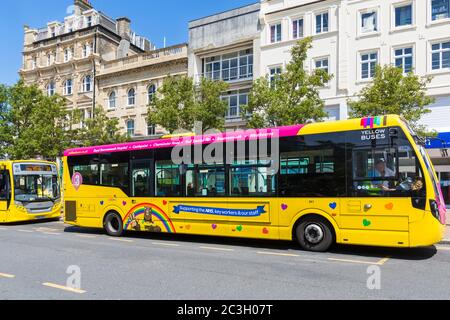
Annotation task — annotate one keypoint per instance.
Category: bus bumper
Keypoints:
(426, 232)
(22, 216)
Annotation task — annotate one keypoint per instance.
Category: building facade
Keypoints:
(65, 57)
(226, 46)
(350, 37)
(127, 85)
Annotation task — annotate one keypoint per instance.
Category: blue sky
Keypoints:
(150, 18)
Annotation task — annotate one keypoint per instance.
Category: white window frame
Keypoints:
(363, 33)
(396, 5)
(430, 14)
(51, 89)
(237, 94)
(441, 50)
(34, 63)
(129, 97)
(403, 47)
(321, 26)
(85, 83)
(153, 94)
(68, 92)
(291, 27)
(360, 63)
(112, 103)
(322, 58)
(271, 77)
(275, 24)
(148, 129)
(134, 127)
(87, 50)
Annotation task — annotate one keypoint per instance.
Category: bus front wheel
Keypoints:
(314, 233)
(113, 224)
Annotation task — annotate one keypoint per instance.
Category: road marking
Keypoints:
(443, 248)
(25, 231)
(121, 240)
(383, 261)
(45, 229)
(166, 244)
(3, 228)
(86, 236)
(57, 286)
(52, 233)
(5, 275)
(218, 249)
(278, 254)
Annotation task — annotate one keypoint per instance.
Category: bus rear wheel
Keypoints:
(315, 234)
(113, 224)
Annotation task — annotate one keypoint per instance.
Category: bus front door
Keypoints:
(5, 194)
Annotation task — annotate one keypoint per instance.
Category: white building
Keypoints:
(350, 37)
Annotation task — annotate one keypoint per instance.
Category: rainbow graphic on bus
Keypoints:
(372, 122)
(148, 214)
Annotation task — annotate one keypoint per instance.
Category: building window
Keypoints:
(151, 130)
(87, 84)
(322, 22)
(369, 62)
(112, 100)
(440, 9)
(274, 74)
(68, 87)
(53, 32)
(151, 93)
(297, 29)
(403, 15)
(34, 63)
(131, 97)
(234, 100)
(68, 54)
(130, 128)
(369, 22)
(275, 33)
(322, 63)
(231, 66)
(50, 59)
(89, 21)
(404, 59)
(440, 56)
(51, 89)
(87, 50)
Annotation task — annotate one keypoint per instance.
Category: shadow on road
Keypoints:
(31, 222)
(352, 251)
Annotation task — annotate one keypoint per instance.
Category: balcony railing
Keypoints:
(179, 51)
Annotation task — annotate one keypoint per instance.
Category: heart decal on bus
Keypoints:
(366, 223)
(333, 205)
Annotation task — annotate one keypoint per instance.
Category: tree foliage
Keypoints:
(392, 92)
(290, 98)
(101, 130)
(180, 103)
(34, 125)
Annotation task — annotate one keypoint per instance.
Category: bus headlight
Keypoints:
(435, 209)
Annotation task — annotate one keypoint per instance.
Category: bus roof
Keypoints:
(250, 134)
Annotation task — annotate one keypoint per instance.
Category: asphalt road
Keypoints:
(34, 260)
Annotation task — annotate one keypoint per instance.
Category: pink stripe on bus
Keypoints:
(185, 141)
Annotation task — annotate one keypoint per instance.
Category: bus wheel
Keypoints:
(315, 234)
(113, 224)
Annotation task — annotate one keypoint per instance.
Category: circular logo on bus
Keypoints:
(77, 180)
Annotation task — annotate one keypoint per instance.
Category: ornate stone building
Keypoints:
(127, 85)
(66, 57)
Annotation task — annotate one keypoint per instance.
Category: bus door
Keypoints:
(377, 200)
(5, 194)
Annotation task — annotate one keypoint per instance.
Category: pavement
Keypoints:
(51, 260)
(446, 239)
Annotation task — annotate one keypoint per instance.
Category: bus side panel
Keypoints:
(375, 238)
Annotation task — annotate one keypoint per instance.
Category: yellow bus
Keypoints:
(29, 190)
(361, 181)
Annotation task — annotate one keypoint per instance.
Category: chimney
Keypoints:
(81, 5)
(123, 27)
(30, 35)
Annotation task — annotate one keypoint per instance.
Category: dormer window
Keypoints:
(89, 21)
(53, 32)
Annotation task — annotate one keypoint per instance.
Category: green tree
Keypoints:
(100, 130)
(180, 103)
(290, 98)
(392, 92)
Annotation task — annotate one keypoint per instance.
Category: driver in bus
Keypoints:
(382, 170)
